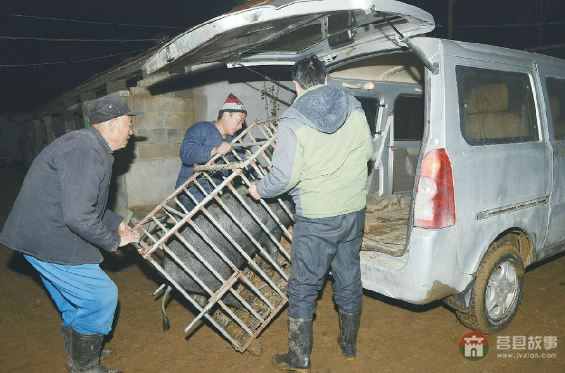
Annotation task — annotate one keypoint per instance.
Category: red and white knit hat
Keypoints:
(233, 104)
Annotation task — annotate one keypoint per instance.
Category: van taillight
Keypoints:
(435, 203)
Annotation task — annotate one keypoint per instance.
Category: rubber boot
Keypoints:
(297, 359)
(86, 354)
(67, 333)
(348, 329)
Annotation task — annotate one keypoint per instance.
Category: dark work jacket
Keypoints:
(60, 214)
(196, 146)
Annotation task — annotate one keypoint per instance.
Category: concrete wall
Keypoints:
(23, 136)
(158, 131)
(209, 98)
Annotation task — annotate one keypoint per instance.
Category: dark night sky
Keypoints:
(26, 88)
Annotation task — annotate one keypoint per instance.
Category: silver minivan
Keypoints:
(468, 182)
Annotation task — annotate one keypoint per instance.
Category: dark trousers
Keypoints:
(317, 245)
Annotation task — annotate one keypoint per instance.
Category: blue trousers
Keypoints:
(317, 245)
(84, 294)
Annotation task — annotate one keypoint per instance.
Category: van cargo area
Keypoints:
(386, 224)
(390, 89)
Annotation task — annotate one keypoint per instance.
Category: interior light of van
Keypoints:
(368, 85)
(434, 205)
(351, 86)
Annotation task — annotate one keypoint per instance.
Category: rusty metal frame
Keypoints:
(165, 221)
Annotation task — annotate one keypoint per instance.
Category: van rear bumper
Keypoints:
(428, 271)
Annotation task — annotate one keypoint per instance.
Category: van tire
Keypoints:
(500, 265)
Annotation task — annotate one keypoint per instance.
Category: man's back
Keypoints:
(334, 168)
(333, 145)
(323, 146)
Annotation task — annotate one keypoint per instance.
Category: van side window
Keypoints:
(495, 107)
(371, 108)
(409, 118)
(556, 91)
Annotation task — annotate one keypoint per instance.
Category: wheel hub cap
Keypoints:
(502, 290)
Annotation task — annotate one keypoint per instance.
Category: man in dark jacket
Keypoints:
(59, 222)
(323, 146)
(203, 140)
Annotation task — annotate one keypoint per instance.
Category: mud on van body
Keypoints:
(468, 184)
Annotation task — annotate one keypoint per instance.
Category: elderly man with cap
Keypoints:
(206, 139)
(59, 222)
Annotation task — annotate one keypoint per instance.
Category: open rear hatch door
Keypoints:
(284, 32)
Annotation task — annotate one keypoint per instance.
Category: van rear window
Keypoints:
(409, 118)
(495, 107)
(371, 107)
(556, 92)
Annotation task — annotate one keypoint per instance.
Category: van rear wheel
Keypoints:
(497, 291)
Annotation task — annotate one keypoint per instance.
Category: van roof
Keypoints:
(496, 53)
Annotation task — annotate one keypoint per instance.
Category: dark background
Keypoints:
(511, 23)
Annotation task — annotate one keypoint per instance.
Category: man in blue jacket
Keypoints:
(59, 222)
(206, 139)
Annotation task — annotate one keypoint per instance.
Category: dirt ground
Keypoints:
(394, 336)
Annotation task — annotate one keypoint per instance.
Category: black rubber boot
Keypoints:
(67, 333)
(348, 328)
(86, 354)
(297, 359)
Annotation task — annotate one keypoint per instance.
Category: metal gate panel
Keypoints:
(219, 248)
